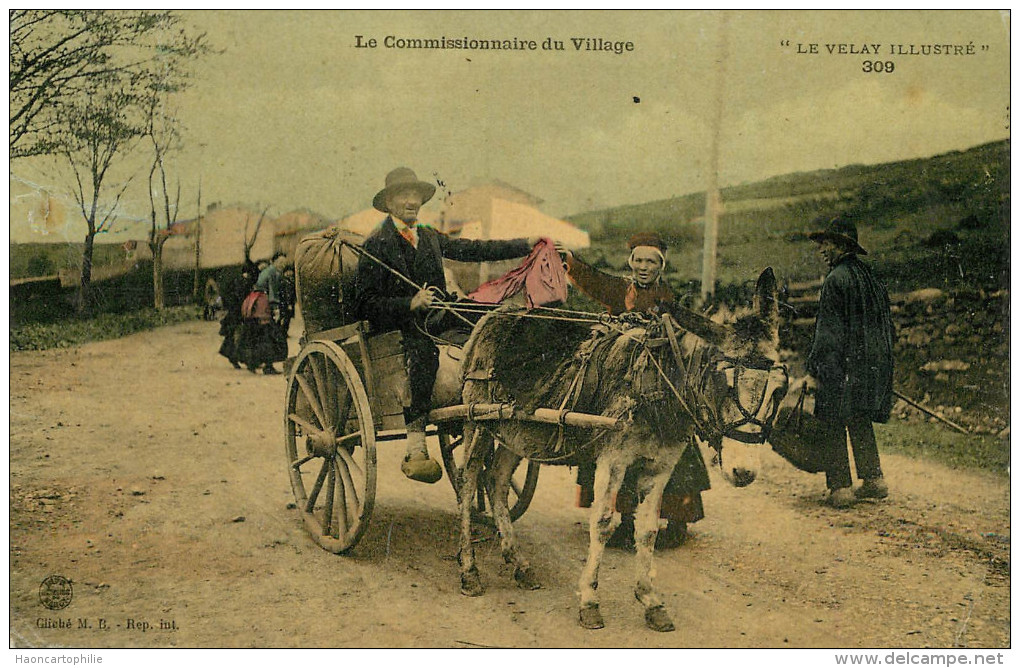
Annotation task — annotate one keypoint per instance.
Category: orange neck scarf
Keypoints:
(630, 298)
(409, 232)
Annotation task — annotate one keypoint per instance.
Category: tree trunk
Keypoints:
(198, 259)
(85, 286)
(158, 293)
(198, 242)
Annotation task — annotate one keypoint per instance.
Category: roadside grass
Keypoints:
(960, 451)
(77, 331)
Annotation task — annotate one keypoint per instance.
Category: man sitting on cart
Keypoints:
(395, 290)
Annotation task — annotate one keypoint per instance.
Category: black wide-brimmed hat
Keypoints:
(399, 179)
(840, 230)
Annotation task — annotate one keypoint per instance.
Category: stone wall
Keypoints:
(952, 352)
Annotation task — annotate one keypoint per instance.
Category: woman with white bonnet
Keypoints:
(644, 290)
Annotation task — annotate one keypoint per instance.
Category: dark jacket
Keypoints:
(288, 294)
(852, 355)
(385, 300)
(611, 291)
(233, 296)
(270, 282)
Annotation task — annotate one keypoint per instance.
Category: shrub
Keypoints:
(40, 265)
(942, 238)
(76, 331)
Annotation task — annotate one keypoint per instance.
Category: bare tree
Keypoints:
(167, 76)
(98, 129)
(58, 55)
(163, 133)
(249, 242)
(162, 128)
(87, 85)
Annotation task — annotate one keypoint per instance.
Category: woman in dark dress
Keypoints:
(230, 325)
(263, 341)
(643, 290)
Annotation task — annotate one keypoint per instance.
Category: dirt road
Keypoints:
(152, 475)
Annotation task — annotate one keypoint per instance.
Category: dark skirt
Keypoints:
(260, 344)
(230, 330)
(681, 499)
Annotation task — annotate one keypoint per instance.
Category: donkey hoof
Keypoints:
(471, 583)
(591, 618)
(657, 619)
(525, 578)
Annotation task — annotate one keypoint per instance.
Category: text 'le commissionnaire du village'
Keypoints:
(513, 44)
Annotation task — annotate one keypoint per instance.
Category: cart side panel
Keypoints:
(389, 390)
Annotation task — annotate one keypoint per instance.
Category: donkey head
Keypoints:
(746, 383)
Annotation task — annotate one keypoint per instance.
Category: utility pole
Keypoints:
(712, 199)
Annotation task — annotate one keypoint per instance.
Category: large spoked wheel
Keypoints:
(522, 484)
(330, 445)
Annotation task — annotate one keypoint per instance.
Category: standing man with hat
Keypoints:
(642, 291)
(851, 363)
(403, 249)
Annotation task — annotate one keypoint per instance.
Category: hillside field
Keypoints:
(937, 231)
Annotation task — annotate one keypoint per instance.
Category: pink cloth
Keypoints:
(540, 275)
(256, 307)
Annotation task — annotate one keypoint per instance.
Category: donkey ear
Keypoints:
(766, 298)
(699, 325)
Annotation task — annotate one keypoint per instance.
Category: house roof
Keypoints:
(299, 220)
(365, 221)
(511, 220)
(503, 185)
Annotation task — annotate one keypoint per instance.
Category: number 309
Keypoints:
(887, 66)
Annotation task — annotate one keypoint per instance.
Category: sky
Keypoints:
(292, 113)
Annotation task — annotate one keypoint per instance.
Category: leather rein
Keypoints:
(715, 430)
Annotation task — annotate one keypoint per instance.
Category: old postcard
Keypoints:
(287, 284)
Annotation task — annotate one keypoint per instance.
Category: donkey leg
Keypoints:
(609, 472)
(474, 457)
(646, 526)
(500, 474)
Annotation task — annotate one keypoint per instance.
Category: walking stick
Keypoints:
(930, 412)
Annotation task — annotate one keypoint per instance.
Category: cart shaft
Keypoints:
(488, 412)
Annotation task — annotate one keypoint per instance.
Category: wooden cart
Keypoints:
(346, 392)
